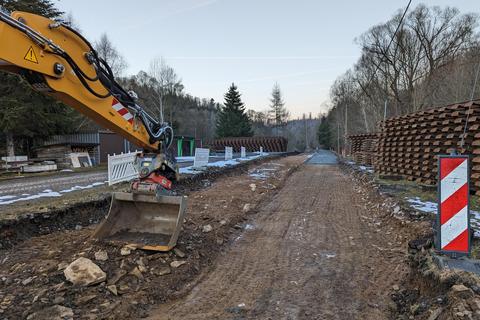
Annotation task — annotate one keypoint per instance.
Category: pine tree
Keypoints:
(278, 113)
(45, 8)
(324, 134)
(232, 119)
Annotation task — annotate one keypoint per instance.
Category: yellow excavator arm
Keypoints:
(57, 60)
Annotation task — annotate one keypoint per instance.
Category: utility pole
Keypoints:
(338, 132)
(346, 120)
(385, 110)
(346, 130)
(306, 131)
(386, 101)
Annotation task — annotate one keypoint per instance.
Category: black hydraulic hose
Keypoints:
(104, 74)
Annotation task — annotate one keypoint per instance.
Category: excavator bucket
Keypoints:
(144, 221)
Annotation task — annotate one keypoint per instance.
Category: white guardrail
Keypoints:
(121, 167)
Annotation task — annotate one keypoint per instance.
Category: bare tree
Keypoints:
(429, 61)
(70, 20)
(107, 51)
(166, 83)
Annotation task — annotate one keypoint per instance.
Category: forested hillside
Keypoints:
(431, 60)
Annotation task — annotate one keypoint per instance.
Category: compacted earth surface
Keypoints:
(298, 237)
(34, 259)
(319, 249)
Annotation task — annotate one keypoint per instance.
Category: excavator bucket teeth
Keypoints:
(144, 221)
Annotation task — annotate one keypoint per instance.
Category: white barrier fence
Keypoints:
(243, 152)
(121, 167)
(201, 157)
(228, 153)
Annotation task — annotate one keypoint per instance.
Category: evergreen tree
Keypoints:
(232, 119)
(278, 113)
(324, 134)
(45, 8)
(24, 113)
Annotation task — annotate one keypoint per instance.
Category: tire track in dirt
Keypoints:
(309, 256)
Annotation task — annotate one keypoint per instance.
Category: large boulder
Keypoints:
(84, 272)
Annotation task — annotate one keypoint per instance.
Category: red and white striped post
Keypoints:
(453, 220)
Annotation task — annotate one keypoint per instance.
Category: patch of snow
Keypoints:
(432, 207)
(258, 175)
(76, 188)
(66, 170)
(327, 255)
(249, 227)
(43, 194)
(188, 170)
(47, 193)
(185, 159)
(424, 206)
(262, 173)
(221, 164)
(366, 169)
(7, 197)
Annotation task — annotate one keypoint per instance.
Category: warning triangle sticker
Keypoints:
(31, 56)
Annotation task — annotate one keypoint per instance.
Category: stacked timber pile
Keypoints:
(60, 154)
(252, 144)
(364, 147)
(409, 145)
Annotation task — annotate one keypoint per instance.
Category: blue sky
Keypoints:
(304, 45)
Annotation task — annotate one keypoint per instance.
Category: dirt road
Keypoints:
(311, 253)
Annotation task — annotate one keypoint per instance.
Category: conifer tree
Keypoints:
(232, 119)
(24, 113)
(278, 113)
(324, 134)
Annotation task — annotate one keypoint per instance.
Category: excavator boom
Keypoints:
(58, 61)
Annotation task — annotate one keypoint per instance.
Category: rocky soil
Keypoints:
(62, 273)
(426, 292)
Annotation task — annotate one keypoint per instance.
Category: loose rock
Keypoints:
(246, 207)
(177, 263)
(113, 289)
(101, 255)
(462, 291)
(85, 299)
(179, 253)
(55, 312)
(136, 272)
(162, 271)
(84, 272)
(118, 275)
(435, 314)
(125, 251)
(207, 228)
(27, 281)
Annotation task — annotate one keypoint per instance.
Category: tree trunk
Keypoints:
(365, 119)
(10, 145)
